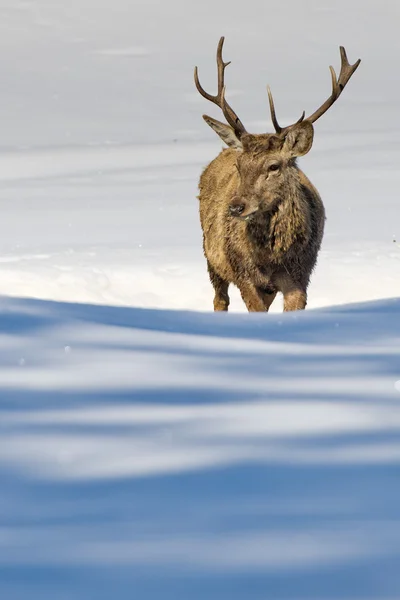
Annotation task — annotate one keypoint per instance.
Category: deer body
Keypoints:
(262, 219)
(271, 251)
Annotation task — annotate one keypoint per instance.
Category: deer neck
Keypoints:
(278, 231)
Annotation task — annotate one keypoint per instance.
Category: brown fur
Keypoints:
(272, 245)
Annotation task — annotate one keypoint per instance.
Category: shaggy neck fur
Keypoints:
(286, 224)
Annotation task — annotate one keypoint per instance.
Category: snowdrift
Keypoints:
(180, 454)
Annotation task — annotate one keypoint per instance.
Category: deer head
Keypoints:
(266, 163)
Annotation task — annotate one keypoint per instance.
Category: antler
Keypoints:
(275, 123)
(219, 98)
(338, 85)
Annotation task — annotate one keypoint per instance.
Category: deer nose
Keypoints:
(236, 209)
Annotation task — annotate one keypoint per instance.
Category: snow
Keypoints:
(185, 453)
(148, 447)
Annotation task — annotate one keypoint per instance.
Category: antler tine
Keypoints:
(221, 69)
(201, 89)
(338, 85)
(347, 69)
(221, 65)
(274, 120)
(303, 115)
(219, 98)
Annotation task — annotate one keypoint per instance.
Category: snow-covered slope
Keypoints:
(120, 226)
(150, 454)
(102, 141)
(149, 448)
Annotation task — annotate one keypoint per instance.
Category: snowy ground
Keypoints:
(149, 448)
(148, 453)
(120, 226)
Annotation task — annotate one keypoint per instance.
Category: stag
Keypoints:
(262, 219)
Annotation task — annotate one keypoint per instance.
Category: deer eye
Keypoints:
(274, 167)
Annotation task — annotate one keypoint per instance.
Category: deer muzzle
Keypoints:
(241, 209)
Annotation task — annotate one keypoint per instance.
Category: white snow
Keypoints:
(148, 447)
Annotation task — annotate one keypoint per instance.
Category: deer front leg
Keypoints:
(221, 298)
(294, 296)
(253, 298)
(295, 299)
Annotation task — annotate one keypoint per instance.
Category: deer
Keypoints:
(262, 219)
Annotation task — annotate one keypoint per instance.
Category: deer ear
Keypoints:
(299, 139)
(225, 132)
